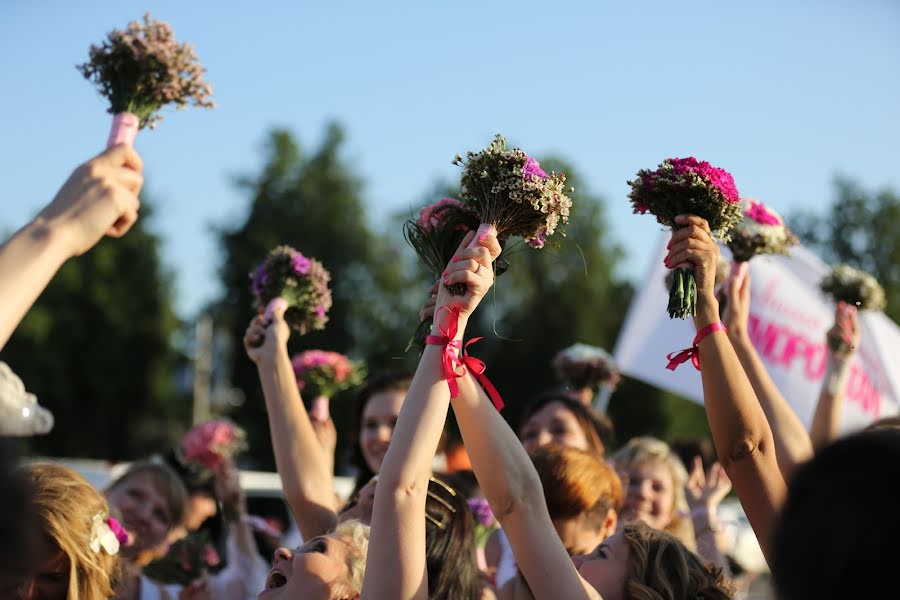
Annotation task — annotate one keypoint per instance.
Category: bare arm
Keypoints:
(792, 443)
(302, 464)
(705, 491)
(843, 339)
(397, 570)
(740, 430)
(100, 197)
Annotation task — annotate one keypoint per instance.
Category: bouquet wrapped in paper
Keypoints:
(760, 231)
(300, 282)
(587, 368)
(188, 559)
(142, 69)
(511, 195)
(208, 446)
(435, 235)
(682, 186)
(322, 374)
(851, 289)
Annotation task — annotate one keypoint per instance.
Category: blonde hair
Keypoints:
(660, 567)
(357, 536)
(64, 504)
(646, 450)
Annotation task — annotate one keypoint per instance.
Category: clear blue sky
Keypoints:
(783, 94)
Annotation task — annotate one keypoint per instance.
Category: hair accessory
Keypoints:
(693, 353)
(107, 534)
(442, 524)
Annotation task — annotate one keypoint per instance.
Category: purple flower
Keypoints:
(301, 264)
(482, 512)
(532, 169)
(539, 240)
(260, 279)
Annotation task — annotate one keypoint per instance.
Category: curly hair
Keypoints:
(64, 504)
(661, 568)
(357, 536)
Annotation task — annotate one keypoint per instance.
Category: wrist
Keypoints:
(707, 311)
(48, 238)
(442, 322)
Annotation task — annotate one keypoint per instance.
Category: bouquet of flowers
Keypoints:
(855, 287)
(209, 445)
(760, 231)
(187, 560)
(687, 186)
(299, 281)
(485, 522)
(322, 374)
(511, 195)
(435, 235)
(20, 413)
(142, 69)
(586, 368)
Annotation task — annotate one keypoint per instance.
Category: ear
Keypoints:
(610, 523)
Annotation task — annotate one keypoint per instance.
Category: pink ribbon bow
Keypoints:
(450, 357)
(693, 353)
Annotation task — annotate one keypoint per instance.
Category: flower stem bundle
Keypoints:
(686, 186)
(435, 236)
(142, 69)
(299, 281)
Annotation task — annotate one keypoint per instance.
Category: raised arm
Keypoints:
(740, 430)
(302, 464)
(842, 341)
(397, 570)
(100, 197)
(792, 443)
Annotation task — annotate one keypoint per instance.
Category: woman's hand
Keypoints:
(844, 336)
(472, 267)
(705, 491)
(265, 338)
(694, 245)
(737, 310)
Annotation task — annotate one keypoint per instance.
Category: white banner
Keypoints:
(789, 316)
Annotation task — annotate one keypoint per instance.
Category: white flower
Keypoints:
(103, 537)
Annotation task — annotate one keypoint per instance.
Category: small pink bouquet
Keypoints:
(760, 231)
(299, 281)
(435, 236)
(322, 374)
(681, 186)
(209, 445)
(511, 195)
(142, 69)
(187, 560)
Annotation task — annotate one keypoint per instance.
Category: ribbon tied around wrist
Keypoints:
(456, 360)
(693, 353)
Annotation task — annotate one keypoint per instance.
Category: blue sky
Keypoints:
(783, 94)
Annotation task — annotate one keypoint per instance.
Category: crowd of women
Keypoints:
(567, 517)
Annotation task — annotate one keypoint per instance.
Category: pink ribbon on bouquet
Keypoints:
(450, 357)
(693, 353)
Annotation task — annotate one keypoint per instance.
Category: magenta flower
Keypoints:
(301, 266)
(428, 220)
(759, 213)
(539, 240)
(482, 512)
(532, 169)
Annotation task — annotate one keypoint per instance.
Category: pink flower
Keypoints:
(210, 557)
(210, 444)
(301, 265)
(428, 220)
(539, 240)
(759, 213)
(533, 169)
(719, 178)
(320, 310)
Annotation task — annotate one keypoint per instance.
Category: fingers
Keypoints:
(122, 155)
(491, 244)
(685, 220)
(132, 181)
(695, 256)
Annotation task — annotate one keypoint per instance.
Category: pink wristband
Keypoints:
(693, 353)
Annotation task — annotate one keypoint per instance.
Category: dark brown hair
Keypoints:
(598, 429)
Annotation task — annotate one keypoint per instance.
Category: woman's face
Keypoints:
(606, 568)
(378, 420)
(145, 512)
(649, 495)
(554, 423)
(49, 580)
(317, 570)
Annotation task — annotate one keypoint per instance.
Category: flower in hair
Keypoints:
(107, 534)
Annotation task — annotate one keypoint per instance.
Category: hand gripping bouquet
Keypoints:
(435, 235)
(853, 287)
(682, 186)
(511, 195)
(322, 374)
(140, 70)
(760, 231)
(302, 283)
(581, 367)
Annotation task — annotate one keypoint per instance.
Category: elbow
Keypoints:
(745, 449)
(524, 495)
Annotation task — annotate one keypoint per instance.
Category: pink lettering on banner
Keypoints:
(783, 347)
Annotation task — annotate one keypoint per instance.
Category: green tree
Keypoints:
(96, 351)
(312, 200)
(861, 228)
